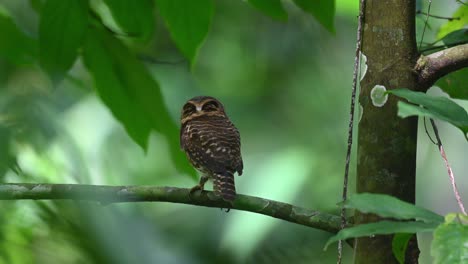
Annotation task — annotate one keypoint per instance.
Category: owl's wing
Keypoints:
(182, 137)
(222, 149)
(212, 145)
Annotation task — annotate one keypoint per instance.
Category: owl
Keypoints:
(212, 144)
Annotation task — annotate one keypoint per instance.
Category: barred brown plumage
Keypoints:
(212, 144)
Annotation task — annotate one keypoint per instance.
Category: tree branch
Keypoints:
(122, 194)
(436, 65)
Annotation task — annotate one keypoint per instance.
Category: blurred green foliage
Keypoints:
(461, 15)
(451, 239)
(284, 84)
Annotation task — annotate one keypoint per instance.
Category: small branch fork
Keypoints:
(436, 65)
(123, 194)
(449, 169)
(438, 17)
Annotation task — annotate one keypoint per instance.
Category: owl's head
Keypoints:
(201, 106)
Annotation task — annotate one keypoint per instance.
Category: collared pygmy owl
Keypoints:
(212, 144)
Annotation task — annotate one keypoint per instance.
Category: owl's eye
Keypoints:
(210, 106)
(188, 109)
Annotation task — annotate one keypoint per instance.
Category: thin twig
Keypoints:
(449, 169)
(357, 60)
(425, 23)
(150, 59)
(463, 3)
(427, 132)
(122, 194)
(436, 16)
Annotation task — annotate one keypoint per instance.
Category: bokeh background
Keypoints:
(287, 88)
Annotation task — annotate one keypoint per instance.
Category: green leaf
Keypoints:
(432, 106)
(15, 45)
(130, 92)
(62, 27)
(456, 37)
(7, 160)
(272, 8)
(322, 10)
(381, 228)
(399, 245)
(450, 26)
(136, 18)
(455, 84)
(188, 22)
(450, 244)
(389, 206)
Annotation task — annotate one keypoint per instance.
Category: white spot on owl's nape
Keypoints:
(199, 107)
(218, 148)
(208, 151)
(378, 95)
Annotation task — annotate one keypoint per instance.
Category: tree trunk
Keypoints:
(386, 143)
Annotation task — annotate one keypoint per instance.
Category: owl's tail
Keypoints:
(223, 185)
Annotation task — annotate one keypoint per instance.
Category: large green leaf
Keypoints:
(399, 245)
(432, 106)
(188, 23)
(133, 96)
(389, 206)
(450, 244)
(322, 10)
(456, 37)
(272, 8)
(455, 84)
(455, 24)
(382, 228)
(62, 27)
(136, 18)
(14, 44)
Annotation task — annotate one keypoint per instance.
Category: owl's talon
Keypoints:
(225, 209)
(195, 188)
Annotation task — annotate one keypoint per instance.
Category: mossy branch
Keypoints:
(434, 66)
(122, 194)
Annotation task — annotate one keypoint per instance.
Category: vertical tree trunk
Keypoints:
(386, 143)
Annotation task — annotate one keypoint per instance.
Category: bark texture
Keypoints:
(386, 143)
